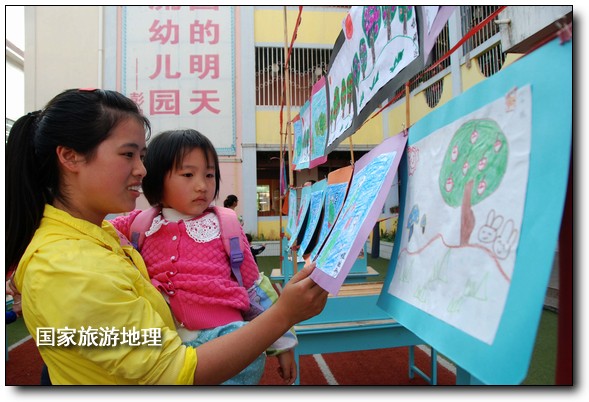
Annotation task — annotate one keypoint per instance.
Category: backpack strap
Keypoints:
(231, 237)
(140, 225)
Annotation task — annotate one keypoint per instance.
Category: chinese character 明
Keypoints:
(209, 64)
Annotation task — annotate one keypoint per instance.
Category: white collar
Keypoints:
(171, 215)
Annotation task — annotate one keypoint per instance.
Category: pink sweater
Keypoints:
(186, 260)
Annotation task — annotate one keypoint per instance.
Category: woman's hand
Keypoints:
(302, 298)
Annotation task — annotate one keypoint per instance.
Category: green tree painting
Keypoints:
(371, 26)
(335, 106)
(472, 169)
(321, 125)
(388, 14)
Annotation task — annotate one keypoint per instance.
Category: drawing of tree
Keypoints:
(371, 26)
(405, 13)
(299, 146)
(363, 56)
(472, 169)
(355, 70)
(321, 125)
(343, 96)
(335, 105)
(388, 14)
(349, 89)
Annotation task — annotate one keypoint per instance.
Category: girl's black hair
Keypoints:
(80, 119)
(166, 151)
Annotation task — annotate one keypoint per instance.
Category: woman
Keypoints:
(86, 295)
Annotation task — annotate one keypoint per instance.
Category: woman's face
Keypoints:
(191, 188)
(110, 181)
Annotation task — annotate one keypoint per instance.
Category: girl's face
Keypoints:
(191, 188)
(111, 180)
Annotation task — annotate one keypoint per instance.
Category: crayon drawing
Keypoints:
(292, 212)
(319, 121)
(385, 39)
(338, 182)
(463, 212)
(298, 156)
(371, 181)
(301, 217)
(315, 209)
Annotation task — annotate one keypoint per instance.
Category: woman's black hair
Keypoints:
(230, 201)
(80, 119)
(166, 151)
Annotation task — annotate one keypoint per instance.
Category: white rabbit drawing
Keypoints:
(505, 240)
(488, 232)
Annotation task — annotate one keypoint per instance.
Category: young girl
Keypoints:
(67, 167)
(184, 253)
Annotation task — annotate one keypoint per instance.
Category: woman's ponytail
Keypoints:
(25, 197)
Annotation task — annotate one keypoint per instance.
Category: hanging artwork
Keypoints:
(315, 210)
(338, 182)
(371, 181)
(379, 49)
(319, 122)
(458, 243)
(299, 155)
(477, 227)
(300, 220)
(292, 212)
(302, 149)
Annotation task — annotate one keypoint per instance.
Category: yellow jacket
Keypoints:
(75, 276)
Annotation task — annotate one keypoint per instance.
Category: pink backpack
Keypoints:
(230, 234)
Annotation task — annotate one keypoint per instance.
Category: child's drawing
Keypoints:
(379, 41)
(292, 212)
(302, 149)
(472, 188)
(319, 121)
(297, 126)
(385, 39)
(335, 194)
(301, 217)
(371, 181)
(315, 208)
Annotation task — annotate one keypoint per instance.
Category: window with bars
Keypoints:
(491, 60)
(306, 66)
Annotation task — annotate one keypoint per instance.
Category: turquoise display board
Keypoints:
(483, 184)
